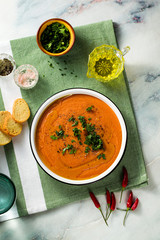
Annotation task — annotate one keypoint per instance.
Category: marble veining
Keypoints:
(137, 25)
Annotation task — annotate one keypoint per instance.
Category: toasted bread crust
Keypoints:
(11, 124)
(4, 138)
(11, 127)
(20, 111)
(3, 115)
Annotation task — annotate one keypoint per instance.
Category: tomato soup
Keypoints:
(78, 137)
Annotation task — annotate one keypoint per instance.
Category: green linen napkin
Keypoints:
(59, 73)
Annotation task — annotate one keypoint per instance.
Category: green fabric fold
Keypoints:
(69, 71)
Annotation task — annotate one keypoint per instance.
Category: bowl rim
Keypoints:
(69, 92)
(72, 32)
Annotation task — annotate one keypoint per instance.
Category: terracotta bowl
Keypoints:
(49, 22)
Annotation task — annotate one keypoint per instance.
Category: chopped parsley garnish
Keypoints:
(55, 38)
(94, 141)
(102, 155)
(69, 147)
(89, 108)
(82, 120)
(90, 127)
(71, 119)
(50, 64)
(60, 134)
(66, 135)
(77, 133)
(73, 151)
(89, 119)
(53, 137)
(75, 123)
(87, 149)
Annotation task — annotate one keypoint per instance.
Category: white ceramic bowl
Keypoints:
(59, 95)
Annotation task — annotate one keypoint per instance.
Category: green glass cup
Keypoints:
(7, 193)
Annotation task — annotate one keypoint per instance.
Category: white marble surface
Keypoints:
(138, 26)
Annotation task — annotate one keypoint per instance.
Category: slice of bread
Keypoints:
(4, 138)
(11, 127)
(3, 115)
(21, 111)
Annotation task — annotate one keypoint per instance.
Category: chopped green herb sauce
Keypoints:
(55, 38)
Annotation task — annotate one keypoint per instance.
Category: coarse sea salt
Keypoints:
(26, 76)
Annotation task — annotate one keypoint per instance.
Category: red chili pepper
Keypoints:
(97, 205)
(130, 200)
(108, 197)
(113, 204)
(135, 204)
(125, 178)
(94, 199)
(124, 181)
(129, 204)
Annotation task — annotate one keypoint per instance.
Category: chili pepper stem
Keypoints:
(103, 216)
(121, 195)
(109, 214)
(122, 209)
(127, 211)
(107, 210)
